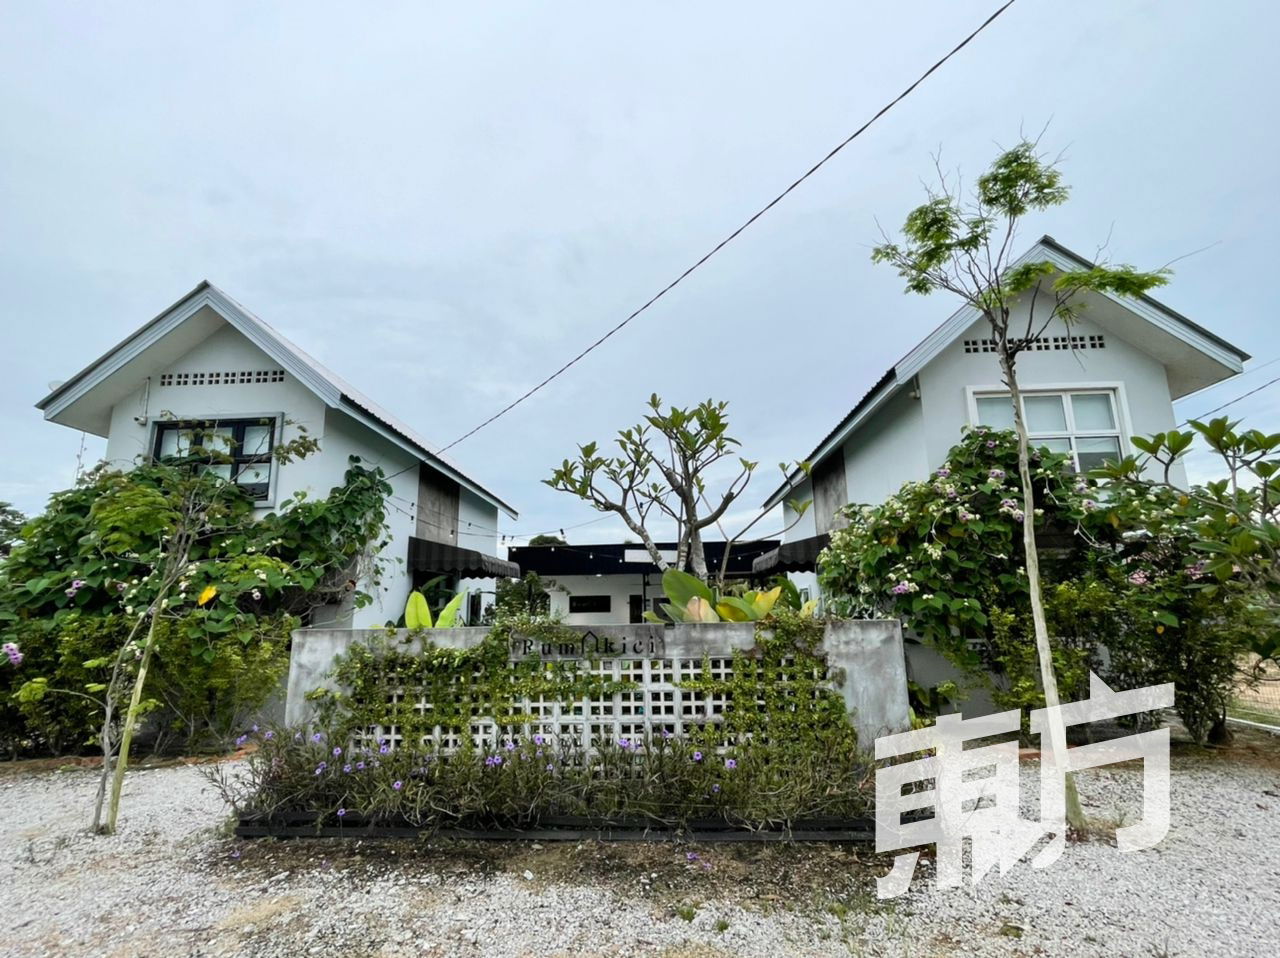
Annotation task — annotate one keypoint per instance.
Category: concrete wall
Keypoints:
(865, 659)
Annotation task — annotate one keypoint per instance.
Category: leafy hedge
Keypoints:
(1125, 586)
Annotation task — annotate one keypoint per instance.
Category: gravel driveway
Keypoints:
(172, 884)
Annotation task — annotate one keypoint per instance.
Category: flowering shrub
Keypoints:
(1119, 567)
(532, 780)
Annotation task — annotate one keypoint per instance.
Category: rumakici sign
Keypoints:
(593, 642)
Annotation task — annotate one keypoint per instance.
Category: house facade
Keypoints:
(209, 361)
(1089, 388)
(610, 583)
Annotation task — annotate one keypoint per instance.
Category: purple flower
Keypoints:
(268, 735)
(241, 740)
(996, 474)
(715, 788)
(359, 766)
(900, 588)
(991, 443)
(697, 756)
(236, 853)
(1089, 505)
(666, 733)
(624, 743)
(13, 652)
(120, 587)
(731, 763)
(539, 740)
(397, 785)
(254, 729)
(551, 768)
(384, 748)
(318, 737)
(346, 769)
(691, 856)
(943, 472)
(320, 768)
(336, 751)
(342, 812)
(510, 746)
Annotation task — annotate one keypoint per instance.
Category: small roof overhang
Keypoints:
(440, 557)
(798, 556)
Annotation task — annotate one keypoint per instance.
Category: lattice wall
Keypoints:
(675, 696)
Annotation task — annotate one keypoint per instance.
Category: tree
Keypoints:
(546, 540)
(11, 523)
(661, 474)
(965, 247)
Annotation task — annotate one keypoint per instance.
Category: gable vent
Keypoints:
(1041, 344)
(221, 378)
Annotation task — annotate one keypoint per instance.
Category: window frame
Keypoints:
(237, 423)
(1114, 390)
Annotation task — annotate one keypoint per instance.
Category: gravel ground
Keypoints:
(172, 884)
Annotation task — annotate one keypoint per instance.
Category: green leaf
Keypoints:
(417, 614)
(449, 614)
(681, 587)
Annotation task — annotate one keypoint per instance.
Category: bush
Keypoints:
(1122, 580)
(195, 700)
(660, 781)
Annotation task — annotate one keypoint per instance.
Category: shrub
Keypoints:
(523, 782)
(1120, 574)
(195, 700)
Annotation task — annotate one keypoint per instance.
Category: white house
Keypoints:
(1089, 388)
(608, 583)
(207, 359)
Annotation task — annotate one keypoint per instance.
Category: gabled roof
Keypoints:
(1174, 335)
(190, 320)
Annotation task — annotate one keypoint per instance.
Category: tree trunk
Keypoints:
(1044, 652)
(131, 716)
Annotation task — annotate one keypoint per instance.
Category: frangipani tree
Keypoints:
(661, 474)
(965, 246)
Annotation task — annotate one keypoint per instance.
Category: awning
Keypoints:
(798, 556)
(440, 557)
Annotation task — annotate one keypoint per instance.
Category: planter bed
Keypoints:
(567, 828)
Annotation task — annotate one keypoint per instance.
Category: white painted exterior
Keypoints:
(619, 588)
(122, 397)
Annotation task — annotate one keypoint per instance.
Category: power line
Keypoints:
(734, 235)
(1232, 402)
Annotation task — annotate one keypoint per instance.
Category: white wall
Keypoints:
(805, 528)
(887, 451)
(619, 587)
(1144, 394)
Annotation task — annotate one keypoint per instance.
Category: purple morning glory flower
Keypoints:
(731, 763)
(697, 756)
(342, 812)
(551, 768)
(715, 788)
(397, 785)
(241, 740)
(538, 740)
(510, 746)
(624, 743)
(359, 766)
(337, 751)
(320, 768)
(318, 737)
(691, 856)
(268, 735)
(347, 769)
(384, 748)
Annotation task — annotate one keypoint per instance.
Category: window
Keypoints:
(590, 603)
(1084, 425)
(239, 450)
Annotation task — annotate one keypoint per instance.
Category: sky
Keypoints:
(444, 202)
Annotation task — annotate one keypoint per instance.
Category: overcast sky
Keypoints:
(443, 202)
